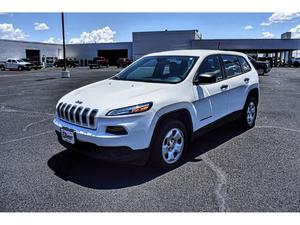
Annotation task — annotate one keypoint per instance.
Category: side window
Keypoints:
(211, 65)
(9, 60)
(244, 64)
(14, 61)
(231, 65)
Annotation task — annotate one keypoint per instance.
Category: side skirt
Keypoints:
(218, 123)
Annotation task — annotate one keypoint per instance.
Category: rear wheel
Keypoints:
(169, 145)
(296, 64)
(2, 68)
(249, 113)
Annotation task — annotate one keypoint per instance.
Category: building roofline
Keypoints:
(160, 31)
(121, 42)
(248, 39)
(32, 42)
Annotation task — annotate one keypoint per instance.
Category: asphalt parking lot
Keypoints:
(227, 170)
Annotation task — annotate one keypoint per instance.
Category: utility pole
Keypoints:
(65, 73)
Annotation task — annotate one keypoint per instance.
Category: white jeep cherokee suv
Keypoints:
(149, 111)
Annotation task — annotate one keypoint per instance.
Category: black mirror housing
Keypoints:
(205, 79)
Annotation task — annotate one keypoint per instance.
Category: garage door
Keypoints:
(113, 55)
(33, 55)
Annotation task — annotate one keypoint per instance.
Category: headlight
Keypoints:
(130, 109)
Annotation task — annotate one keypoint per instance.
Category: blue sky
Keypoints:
(107, 27)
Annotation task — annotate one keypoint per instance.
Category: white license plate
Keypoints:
(68, 135)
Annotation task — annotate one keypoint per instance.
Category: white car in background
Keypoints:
(149, 111)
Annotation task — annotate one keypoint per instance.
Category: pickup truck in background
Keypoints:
(261, 67)
(294, 62)
(69, 63)
(36, 65)
(97, 62)
(15, 64)
(123, 62)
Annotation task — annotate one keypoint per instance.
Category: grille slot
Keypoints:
(78, 115)
(72, 113)
(62, 110)
(67, 112)
(84, 114)
(58, 109)
(92, 117)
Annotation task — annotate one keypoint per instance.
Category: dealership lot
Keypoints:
(227, 170)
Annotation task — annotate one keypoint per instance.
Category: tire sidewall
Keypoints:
(156, 158)
(244, 116)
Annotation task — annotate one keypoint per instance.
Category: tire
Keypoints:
(107, 66)
(91, 67)
(249, 113)
(2, 68)
(20, 68)
(260, 71)
(169, 144)
(296, 64)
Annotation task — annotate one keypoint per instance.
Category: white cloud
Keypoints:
(41, 26)
(7, 31)
(281, 17)
(53, 40)
(295, 31)
(249, 27)
(267, 34)
(104, 35)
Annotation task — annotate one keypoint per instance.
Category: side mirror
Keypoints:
(205, 79)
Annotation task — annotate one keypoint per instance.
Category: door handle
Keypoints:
(224, 87)
(246, 80)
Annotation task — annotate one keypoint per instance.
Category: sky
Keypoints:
(118, 27)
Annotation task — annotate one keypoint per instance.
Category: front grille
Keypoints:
(78, 115)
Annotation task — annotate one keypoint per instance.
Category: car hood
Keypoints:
(24, 63)
(110, 94)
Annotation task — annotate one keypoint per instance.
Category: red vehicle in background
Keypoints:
(98, 62)
(123, 62)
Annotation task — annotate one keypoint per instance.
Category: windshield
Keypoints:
(19, 60)
(159, 69)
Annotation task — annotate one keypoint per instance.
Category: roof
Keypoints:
(194, 52)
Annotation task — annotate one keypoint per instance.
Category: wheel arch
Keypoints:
(182, 114)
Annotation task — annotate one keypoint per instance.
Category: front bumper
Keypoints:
(109, 154)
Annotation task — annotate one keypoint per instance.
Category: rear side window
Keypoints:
(211, 65)
(231, 65)
(244, 64)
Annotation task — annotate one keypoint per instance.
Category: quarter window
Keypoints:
(244, 64)
(211, 65)
(231, 65)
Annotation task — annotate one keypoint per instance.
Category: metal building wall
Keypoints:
(156, 41)
(17, 49)
(248, 44)
(89, 51)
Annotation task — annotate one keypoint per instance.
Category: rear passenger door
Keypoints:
(236, 70)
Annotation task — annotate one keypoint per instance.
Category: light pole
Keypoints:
(65, 73)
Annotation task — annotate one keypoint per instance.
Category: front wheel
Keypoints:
(20, 68)
(169, 145)
(249, 113)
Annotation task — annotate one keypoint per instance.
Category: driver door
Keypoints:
(211, 98)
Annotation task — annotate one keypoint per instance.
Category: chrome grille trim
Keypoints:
(78, 115)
